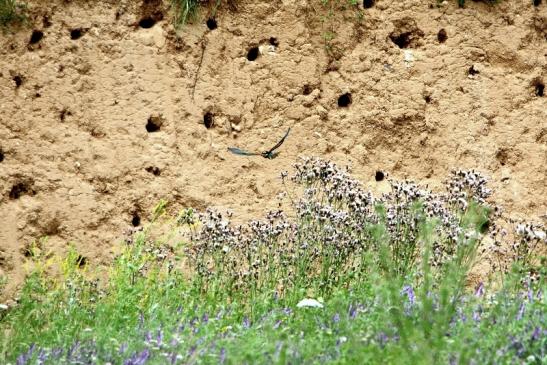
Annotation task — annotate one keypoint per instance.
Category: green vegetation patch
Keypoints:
(346, 278)
(11, 11)
(184, 11)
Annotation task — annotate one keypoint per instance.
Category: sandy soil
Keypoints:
(100, 117)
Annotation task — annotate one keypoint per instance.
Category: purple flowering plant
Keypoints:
(388, 275)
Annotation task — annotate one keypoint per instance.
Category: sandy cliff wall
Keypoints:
(101, 117)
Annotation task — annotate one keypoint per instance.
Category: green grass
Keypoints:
(330, 23)
(195, 295)
(369, 322)
(11, 11)
(184, 11)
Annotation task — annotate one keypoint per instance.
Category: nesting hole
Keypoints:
(136, 220)
(427, 99)
(81, 261)
(406, 33)
(537, 2)
(18, 79)
(539, 88)
(402, 40)
(367, 4)
(344, 100)
(76, 33)
(307, 89)
(209, 120)
(473, 71)
(46, 22)
(153, 124)
(379, 175)
(485, 226)
(502, 155)
(211, 24)
(442, 36)
(63, 114)
(1, 155)
(147, 22)
(19, 189)
(153, 170)
(27, 252)
(36, 36)
(274, 41)
(151, 13)
(252, 54)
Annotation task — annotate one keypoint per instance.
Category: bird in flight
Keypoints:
(270, 154)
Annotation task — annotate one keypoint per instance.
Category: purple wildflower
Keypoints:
(520, 313)
(193, 321)
(72, 350)
(142, 357)
(205, 318)
(278, 347)
(138, 358)
(56, 353)
(222, 355)
(352, 311)
(336, 318)
(192, 350)
(517, 345)
(159, 337)
(24, 358)
(42, 356)
(246, 323)
(173, 358)
(479, 290)
(476, 315)
(276, 324)
(407, 289)
(382, 339)
(536, 334)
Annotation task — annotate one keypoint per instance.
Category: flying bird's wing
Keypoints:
(237, 151)
(268, 154)
(280, 142)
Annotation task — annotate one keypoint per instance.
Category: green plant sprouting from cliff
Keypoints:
(184, 10)
(11, 11)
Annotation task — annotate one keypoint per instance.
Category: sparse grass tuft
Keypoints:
(11, 11)
(184, 11)
(329, 10)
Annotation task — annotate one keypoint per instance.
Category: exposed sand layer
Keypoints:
(100, 117)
